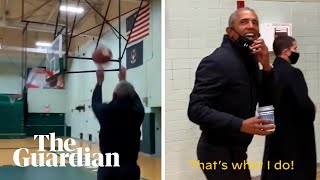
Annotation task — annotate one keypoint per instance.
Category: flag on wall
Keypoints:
(37, 79)
(141, 26)
(135, 55)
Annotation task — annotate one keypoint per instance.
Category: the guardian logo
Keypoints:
(75, 156)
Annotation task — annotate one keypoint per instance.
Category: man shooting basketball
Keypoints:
(120, 122)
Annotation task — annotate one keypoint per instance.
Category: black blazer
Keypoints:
(292, 99)
(294, 138)
(227, 88)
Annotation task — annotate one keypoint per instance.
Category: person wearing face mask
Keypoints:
(228, 86)
(294, 139)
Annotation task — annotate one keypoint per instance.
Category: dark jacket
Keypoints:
(227, 88)
(294, 138)
(120, 122)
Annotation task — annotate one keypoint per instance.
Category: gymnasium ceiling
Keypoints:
(46, 11)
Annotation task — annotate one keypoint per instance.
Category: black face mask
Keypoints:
(243, 42)
(294, 57)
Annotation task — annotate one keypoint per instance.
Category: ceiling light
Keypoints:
(71, 9)
(43, 44)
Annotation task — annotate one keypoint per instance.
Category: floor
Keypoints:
(150, 166)
(318, 176)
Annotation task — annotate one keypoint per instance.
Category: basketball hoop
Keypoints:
(50, 73)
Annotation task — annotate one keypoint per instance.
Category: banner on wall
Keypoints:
(134, 55)
(141, 26)
(37, 79)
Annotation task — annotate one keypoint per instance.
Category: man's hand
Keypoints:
(260, 49)
(122, 73)
(100, 75)
(255, 126)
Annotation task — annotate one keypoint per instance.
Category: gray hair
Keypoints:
(124, 89)
(236, 12)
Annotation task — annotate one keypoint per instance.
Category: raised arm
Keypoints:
(97, 106)
(210, 84)
(267, 88)
(122, 74)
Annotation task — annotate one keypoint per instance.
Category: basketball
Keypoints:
(102, 55)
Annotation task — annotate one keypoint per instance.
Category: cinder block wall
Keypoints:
(194, 28)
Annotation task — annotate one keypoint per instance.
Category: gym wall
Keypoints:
(146, 78)
(10, 77)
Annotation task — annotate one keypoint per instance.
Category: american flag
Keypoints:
(141, 26)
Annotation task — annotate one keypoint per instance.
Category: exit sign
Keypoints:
(240, 4)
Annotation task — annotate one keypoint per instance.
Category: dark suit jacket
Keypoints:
(293, 139)
(120, 122)
(227, 88)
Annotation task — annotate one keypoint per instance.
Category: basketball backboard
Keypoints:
(54, 58)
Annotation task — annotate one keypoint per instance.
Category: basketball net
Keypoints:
(14, 97)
